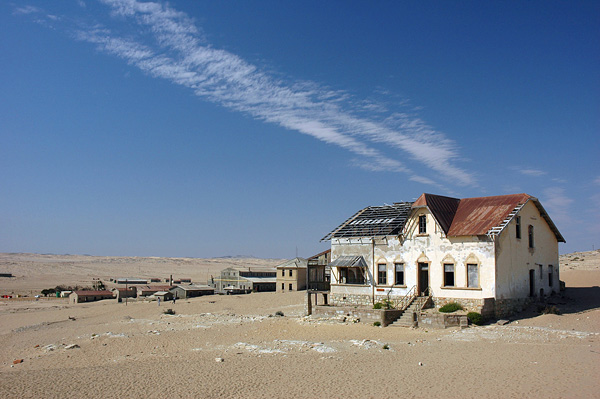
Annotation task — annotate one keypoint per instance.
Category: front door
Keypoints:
(423, 278)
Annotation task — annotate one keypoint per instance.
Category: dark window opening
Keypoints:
(550, 276)
(422, 224)
(530, 236)
(399, 273)
(541, 271)
(291, 272)
(448, 275)
(283, 273)
(351, 275)
(290, 287)
(518, 227)
(282, 286)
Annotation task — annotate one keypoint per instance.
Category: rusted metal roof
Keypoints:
(442, 208)
(476, 216)
(93, 293)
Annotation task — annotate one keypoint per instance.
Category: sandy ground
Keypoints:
(135, 350)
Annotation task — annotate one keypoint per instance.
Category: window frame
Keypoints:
(478, 275)
(382, 275)
(446, 274)
(422, 224)
(396, 282)
(518, 227)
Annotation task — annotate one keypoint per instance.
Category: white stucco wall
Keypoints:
(433, 248)
(515, 259)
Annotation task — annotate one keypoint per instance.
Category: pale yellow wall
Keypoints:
(515, 259)
(298, 279)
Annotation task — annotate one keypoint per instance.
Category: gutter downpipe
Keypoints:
(373, 271)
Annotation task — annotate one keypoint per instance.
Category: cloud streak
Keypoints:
(170, 46)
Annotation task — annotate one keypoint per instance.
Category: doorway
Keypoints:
(531, 282)
(423, 280)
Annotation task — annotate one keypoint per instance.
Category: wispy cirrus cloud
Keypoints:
(170, 46)
(532, 172)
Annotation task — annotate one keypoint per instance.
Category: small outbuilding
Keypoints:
(89, 296)
(121, 293)
(190, 291)
(163, 295)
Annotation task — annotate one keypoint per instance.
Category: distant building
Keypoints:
(121, 293)
(163, 295)
(291, 275)
(131, 280)
(147, 290)
(250, 279)
(191, 291)
(89, 296)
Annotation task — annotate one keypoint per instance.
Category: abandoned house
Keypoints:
(291, 275)
(492, 255)
(245, 279)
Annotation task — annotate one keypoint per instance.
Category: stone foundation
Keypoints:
(507, 307)
(351, 300)
(364, 314)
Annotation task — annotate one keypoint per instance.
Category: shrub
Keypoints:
(169, 311)
(451, 307)
(475, 318)
(550, 310)
(386, 347)
(377, 324)
(279, 313)
(378, 305)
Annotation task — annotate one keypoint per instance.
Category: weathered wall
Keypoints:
(433, 248)
(515, 258)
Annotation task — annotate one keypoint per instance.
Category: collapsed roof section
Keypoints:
(373, 221)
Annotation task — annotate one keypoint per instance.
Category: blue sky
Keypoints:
(221, 128)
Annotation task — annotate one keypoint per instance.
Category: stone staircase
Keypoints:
(408, 318)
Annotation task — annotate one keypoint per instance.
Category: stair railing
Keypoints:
(423, 300)
(406, 300)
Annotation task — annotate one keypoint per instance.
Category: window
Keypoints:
(282, 273)
(351, 275)
(448, 275)
(472, 275)
(291, 272)
(541, 271)
(399, 273)
(518, 226)
(530, 236)
(382, 274)
(422, 224)
(550, 275)
(282, 287)
(290, 287)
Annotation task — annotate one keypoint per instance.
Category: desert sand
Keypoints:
(236, 346)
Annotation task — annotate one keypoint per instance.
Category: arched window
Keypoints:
(530, 236)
